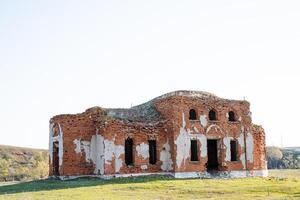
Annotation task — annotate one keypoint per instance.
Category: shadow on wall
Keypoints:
(51, 184)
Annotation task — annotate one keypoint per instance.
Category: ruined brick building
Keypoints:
(182, 133)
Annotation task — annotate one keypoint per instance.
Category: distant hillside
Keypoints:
(283, 158)
(19, 163)
(292, 148)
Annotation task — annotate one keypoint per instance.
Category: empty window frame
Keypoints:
(212, 115)
(194, 150)
(231, 116)
(152, 152)
(129, 151)
(233, 150)
(193, 114)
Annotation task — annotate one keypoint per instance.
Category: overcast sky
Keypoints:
(66, 56)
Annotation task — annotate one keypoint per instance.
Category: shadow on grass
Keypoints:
(51, 184)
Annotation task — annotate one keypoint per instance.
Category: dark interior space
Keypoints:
(194, 150)
(231, 116)
(212, 153)
(152, 152)
(212, 115)
(129, 151)
(55, 159)
(233, 150)
(193, 114)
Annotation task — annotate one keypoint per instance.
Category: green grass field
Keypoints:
(281, 184)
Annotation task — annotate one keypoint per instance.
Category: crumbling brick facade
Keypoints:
(182, 133)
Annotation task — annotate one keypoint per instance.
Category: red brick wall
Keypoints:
(84, 126)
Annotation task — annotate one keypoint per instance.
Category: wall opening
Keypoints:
(233, 150)
(129, 151)
(194, 150)
(193, 114)
(55, 159)
(231, 116)
(212, 155)
(152, 152)
(212, 115)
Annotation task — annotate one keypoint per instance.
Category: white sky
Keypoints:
(66, 56)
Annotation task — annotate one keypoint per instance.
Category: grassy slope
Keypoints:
(282, 184)
(20, 163)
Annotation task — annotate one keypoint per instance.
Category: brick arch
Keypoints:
(215, 131)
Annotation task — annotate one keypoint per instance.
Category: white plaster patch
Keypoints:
(241, 140)
(203, 145)
(143, 150)
(240, 118)
(226, 141)
(183, 146)
(183, 142)
(51, 125)
(97, 153)
(165, 157)
(119, 150)
(94, 151)
(83, 146)
(60, 145)
(249, 146)
(183, 120)
(203, 120)
(112, 150)
(109, 148)
(196, 130)
(77, 143)
(144, 167)
(242, 159)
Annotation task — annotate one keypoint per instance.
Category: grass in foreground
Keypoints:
(282, 184)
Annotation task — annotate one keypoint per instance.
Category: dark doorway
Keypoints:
(55, 159)
(152, 152)
(212, 154)
(129, 151)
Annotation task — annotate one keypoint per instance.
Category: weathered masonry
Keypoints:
(182, 133)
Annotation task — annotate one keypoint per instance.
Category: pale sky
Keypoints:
(66, 56)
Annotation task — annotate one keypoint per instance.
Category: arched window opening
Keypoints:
(231, 116)
(212, 115)
(193, 114)
(129, 151)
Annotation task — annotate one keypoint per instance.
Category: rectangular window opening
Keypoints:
(129, 151)
(194, 150)
(233, 150)
(152, 152)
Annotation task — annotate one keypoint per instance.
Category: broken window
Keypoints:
(193, 114)
(233, 150)
(212, 115)
(129, 151)
(194, 150)
(152, 152)
(231, 116)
